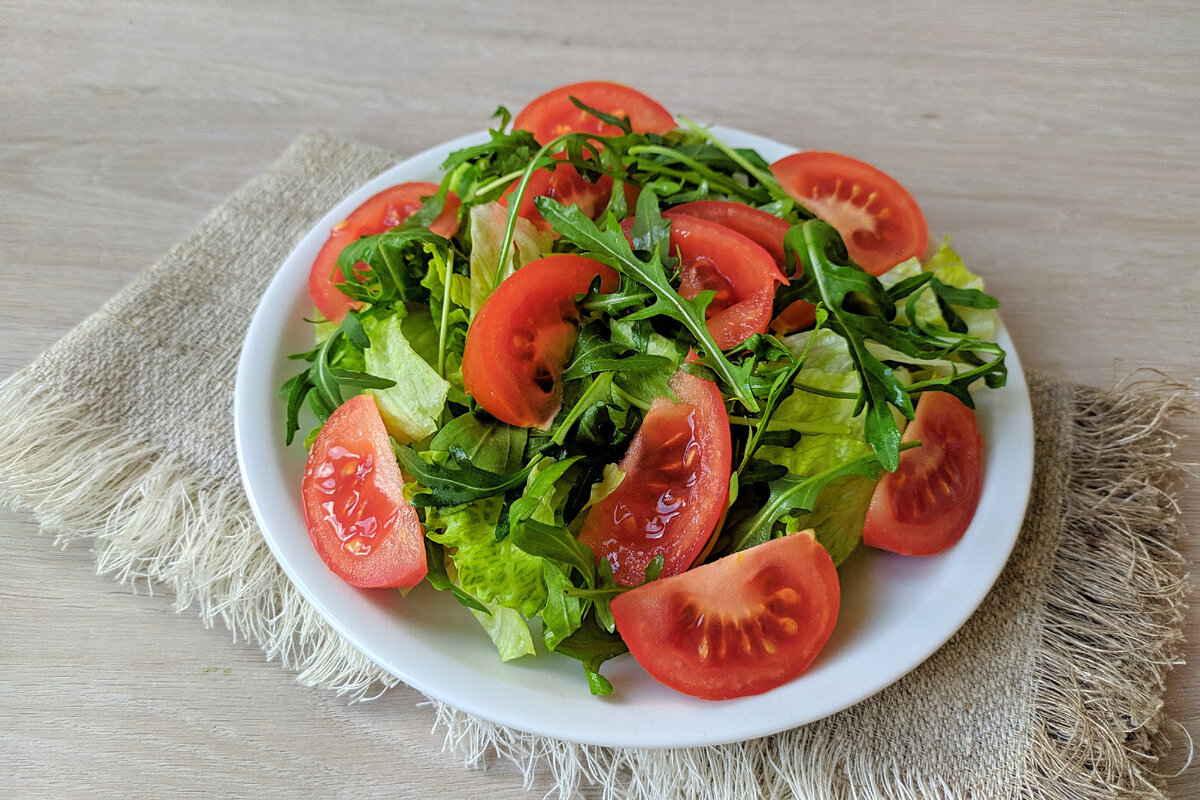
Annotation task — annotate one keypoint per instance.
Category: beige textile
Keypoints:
(122, 433)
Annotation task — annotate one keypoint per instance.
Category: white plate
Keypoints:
(895, 611)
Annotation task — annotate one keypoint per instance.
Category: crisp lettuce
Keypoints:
(508, 631)
(493, 571)
(411, 408)
(487, 226)
(837, 517)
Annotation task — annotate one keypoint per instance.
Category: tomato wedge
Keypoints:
(739, 626)
(742, 274)
(565, 185)
(675, 487)
(767, 231)
(927, 504)
(354, 506)
(553, 114)
(381, 212)
(523, 335)
(878, 220)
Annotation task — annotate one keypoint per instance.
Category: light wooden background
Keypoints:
(1057, 142)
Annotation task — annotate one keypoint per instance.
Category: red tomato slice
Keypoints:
(354, 506)
(878, 220)
(741, 625)
(675, 488)
(523, 335)
(553, 114)
(742, 274)
(767, 231)
(926, 505)
(565, 185)
(382, 212)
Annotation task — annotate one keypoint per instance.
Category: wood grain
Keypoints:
(1056, 142)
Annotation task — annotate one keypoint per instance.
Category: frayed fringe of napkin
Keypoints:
(154, 523)
(1099, 729)
(1096, 731)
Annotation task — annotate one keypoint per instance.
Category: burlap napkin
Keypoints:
(122, 433)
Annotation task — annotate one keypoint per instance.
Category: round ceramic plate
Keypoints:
(895, 611)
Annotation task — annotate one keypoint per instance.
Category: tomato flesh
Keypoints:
(739, 626)
(380, 213)
(354, 506)
(553, 114)
(675, 487)
(523, 336)
(877, 218)
(926, 505)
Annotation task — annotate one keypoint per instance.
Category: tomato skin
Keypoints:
(877, 218)
(738, 626)
(523, 335)
(354, 506)
(927, 504)
(379, 213)
(767, 231)
(675, 488)
(741, 272)
(553, 114)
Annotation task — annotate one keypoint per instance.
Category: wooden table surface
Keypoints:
(1057, 142)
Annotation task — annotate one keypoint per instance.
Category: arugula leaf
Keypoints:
(457, 481)
(594, 353)
(562, 614)
(487, 442)
(859, 308)
(610, 247)
(593, 645)
(323, 382)
(557, 544)
(788, 492)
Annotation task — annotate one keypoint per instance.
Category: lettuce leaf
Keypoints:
(487, 225)
(837, 517)
(411, 408)
(493, 571)
(508, 631)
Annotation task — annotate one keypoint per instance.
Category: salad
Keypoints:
(618, 386)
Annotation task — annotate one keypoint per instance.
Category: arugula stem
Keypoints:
(774, 397)
(817, 390)
(628, 398)
(493, 184)
(445, 323)
(712, 175)
(518, 197)
(787, 425)
(765, 178)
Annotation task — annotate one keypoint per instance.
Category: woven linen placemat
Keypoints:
(1052, 689)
